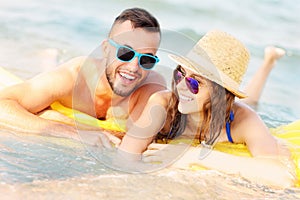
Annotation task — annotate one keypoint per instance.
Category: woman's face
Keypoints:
(191, 97)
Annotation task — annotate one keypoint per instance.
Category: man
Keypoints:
(126, 82)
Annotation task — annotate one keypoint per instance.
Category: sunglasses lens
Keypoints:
(147, 62)
(125, 54)
(192, 84)
(178, 76)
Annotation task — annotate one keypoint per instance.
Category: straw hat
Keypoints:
(220, 58)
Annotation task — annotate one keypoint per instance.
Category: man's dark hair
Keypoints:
(140, 18)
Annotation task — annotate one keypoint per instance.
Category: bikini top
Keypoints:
(231, 118)
(228, 133)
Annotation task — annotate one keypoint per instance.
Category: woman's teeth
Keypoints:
(185, 98)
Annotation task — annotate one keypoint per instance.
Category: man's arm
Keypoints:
(20, 103)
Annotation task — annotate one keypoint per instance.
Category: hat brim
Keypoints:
(206, 69)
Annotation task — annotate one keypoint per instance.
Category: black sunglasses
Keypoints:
(127, 54)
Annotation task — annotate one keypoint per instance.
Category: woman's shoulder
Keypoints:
(162, 96)
(243, 111)
(247, 120)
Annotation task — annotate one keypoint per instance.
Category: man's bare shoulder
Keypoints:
(80, 64)
(74, 64)
(61, 79)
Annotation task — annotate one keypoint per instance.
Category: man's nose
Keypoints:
(134, 64)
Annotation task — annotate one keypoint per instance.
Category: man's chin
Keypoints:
(123, 92)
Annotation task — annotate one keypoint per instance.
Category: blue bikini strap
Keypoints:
(231, 118)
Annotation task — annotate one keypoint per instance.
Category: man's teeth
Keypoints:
(127, 76)
(185, 98)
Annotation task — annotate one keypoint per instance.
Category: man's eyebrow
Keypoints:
(126, 45)
(151, 54)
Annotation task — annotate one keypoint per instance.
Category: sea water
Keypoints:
(36, 35)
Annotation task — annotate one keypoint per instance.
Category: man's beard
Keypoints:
(118, 91)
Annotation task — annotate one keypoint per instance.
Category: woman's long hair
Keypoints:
(176, 121)
(215, 110)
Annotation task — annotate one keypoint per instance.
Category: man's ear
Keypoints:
(104, 46)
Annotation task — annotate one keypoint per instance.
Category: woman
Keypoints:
(207, 81)
(202, 106)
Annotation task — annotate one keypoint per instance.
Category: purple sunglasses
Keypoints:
(191, 83)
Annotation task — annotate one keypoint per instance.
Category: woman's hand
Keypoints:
(165, 154)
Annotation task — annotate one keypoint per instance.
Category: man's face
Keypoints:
(125, 77)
